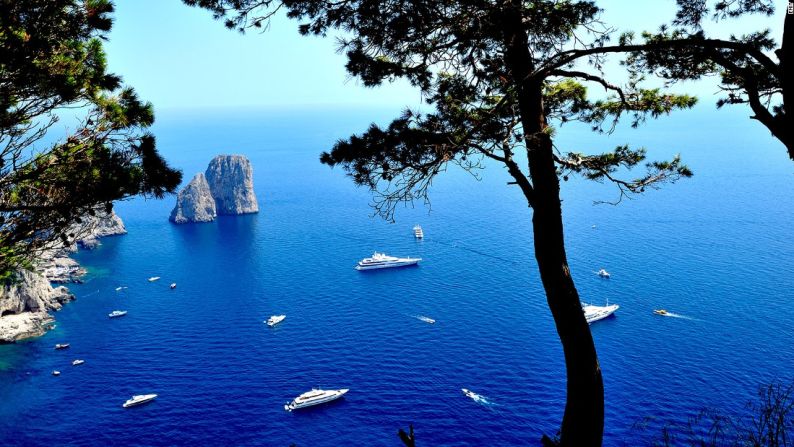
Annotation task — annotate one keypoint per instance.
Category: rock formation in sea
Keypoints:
(227, 187)
(231, 181)
(25, 302)
(194, 203)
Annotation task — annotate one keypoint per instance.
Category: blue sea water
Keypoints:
(715, 248)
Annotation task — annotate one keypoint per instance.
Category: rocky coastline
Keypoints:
(26, 303)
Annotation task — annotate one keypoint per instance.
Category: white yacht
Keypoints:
(56, 373)
(418, 232)
(139, 399)
(62, 346)
(78, 362)
(173, 285)
(154, 278)
(594, 313)
(275, 319)
(382, 261)
(315, 397)
(603, 273)
(426, 319)
(117, 313)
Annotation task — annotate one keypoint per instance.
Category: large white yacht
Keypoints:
(382, 261)
(418, 232)
(315, 397)
(594, 313)
(139, 399)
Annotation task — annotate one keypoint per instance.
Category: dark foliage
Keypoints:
(51, 57)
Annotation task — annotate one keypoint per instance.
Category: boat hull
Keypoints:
(130, 403)
(411, 262)
(294, 405)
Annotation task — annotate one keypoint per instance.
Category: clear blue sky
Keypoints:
(179, 57)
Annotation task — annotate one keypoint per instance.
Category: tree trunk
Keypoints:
(583, 421)
(787, 80)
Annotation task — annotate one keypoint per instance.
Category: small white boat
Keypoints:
(78, 362)
(275, 319)
(315, 397)
(62, 346)
(117, 313)
(120, 288)
(594, 313)
(383, 261)
(603, 273)
(418, 233)
(56, 373)
(173, 285)
(154, 278)
(426, 319)
(139, 399)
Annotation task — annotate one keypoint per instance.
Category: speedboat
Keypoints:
(315, 397)
(56, 373)
(382, 261)
(479, 398)
(154, 278)
(418, 232)
(139, 399)
(661, 312)
(62, 346)
(117, 313)
(275, 319)
(78, 362)
(173, 285)
(594, 313)
(426, 319)
(603, 273)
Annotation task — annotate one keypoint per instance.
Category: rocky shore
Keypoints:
(25, 303)
(226, 188)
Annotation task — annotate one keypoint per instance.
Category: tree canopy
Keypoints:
(51, 60)
(498, 75)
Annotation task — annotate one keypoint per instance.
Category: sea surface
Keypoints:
(714, 249)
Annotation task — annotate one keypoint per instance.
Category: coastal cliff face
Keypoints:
(194, 203)
(231, 181)
(25, 303)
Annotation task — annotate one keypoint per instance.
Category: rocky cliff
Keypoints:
(231, 181)
(26, 301)
(24, 305)
(194, 203)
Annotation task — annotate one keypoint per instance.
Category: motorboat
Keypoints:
(56, 373)
(62, 346)
(154, 278)
(120, 288)
(315, 397)
(382, 261)
(418, 233)
(275, 319)
(139, 399)
(594, 313)
(173, 285)
(426, 319)
(661, 312)
(117, 313)
(603, 273)
(78, 362)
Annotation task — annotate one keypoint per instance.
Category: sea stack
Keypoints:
(231, 181)
(194, 203)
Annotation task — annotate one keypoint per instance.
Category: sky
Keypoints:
(178, 57)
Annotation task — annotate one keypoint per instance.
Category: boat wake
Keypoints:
(675, 315)
(479, 398)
